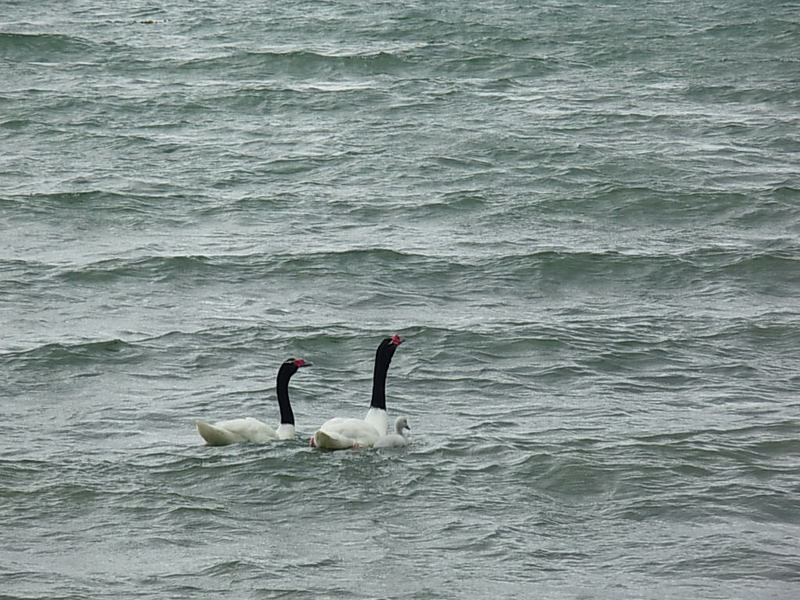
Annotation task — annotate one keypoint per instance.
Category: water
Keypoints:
(582, 216)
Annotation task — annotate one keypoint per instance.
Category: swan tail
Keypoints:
(214, 436)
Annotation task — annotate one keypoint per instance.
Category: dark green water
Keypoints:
(584, 218)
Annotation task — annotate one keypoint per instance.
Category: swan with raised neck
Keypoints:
(342, 432)
(248, 429)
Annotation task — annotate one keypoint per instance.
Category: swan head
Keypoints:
(391, 342)
(401, 424)
(388, 345)
(293, 364)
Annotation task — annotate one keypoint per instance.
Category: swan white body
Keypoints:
(249, 429)
(397, 439)
(246, 429)
(342, 432)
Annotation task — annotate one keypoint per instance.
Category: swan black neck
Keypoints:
(282, 387)
(383, 358)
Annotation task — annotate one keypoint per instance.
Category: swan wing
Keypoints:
(236, 430)
(339, 433)
(331, 440)
(216, 436)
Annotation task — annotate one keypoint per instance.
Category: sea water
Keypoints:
(582, 216)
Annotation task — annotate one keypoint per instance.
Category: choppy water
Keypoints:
(583, 216)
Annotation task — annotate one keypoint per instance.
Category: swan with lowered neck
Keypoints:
(249, 429)
(397, 439)
(341, 432)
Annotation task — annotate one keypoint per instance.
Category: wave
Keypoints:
(236, 267)
(44, 47)
(73, 354)
(300, 63)
(93, 200)
(154, 268)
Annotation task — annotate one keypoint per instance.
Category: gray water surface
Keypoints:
(582, 216)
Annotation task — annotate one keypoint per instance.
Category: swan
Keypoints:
(341, 432)
(395, 440)
(249, 429)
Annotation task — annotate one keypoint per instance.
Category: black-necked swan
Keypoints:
(340, 432)
(249, 429)
(397, 439)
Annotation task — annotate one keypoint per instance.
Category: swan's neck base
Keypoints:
(378, 419)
